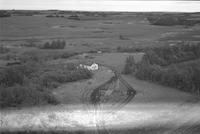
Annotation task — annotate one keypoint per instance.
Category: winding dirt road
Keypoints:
(167, 110)
(98, 106)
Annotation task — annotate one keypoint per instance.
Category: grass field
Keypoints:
(117, 60)
(55, 72)
(83, 34)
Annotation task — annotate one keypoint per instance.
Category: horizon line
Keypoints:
(100, 11)
(103, 5)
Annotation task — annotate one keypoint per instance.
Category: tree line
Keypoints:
(171, 20)
(175, 66)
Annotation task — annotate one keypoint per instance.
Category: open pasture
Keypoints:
(85, 34)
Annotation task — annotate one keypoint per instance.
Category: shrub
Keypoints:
(185, 78)
(7, 56)
(171, 20)
(196, 79)
(31, 56)
(167, 55)
(11, 76)
(51, 79)
(19, 95)
(15, 74)
(54, 45)
(44, 55)
(31, 83)
(18, 88)
(66, 55)
(3, 50)
(58, 55)
(49, 16)
(4, 14)
(130, 65)
(130, 49)
(165, 65)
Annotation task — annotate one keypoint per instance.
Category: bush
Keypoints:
(169, 66)
(171, 20)
(51, 79)
(58, 55)
(3, 50)
(11, 76)
(15, 74)
(32, 56)
(54, 45)
(167, 55)
(31, 83)
(4, 14)
(19, 95)
(44, 55)
(185, 78)
(130, 65)
(17, 87)
(130, 49)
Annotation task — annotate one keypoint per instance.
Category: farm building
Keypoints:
(93, 67)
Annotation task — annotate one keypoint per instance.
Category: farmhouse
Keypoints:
(93, 67)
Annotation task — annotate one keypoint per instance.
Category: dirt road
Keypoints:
(154, 109)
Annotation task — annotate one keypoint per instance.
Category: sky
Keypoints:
(104, 5)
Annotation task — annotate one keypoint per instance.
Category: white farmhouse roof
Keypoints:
(93, 67)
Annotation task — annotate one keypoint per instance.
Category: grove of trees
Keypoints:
(175, 66)
(31, 82)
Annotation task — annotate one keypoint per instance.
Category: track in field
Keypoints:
(92, 98)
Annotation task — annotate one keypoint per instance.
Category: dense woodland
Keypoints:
(175, 66)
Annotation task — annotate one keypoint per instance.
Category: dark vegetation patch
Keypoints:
(55, 15)
(24, 12)
(44, 132)
(186, 36)
(17, 87)
(74, 17)
(173, 19)
(31, 82)
(58, 44)
(187, 129)
(3, 49)
(132, 49)
(43, 55)
(31, 43)
(52, 75)
(167, 55)
(4, 14)
(175, 66)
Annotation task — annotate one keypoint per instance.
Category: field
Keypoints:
(86, 34)
(146, 81)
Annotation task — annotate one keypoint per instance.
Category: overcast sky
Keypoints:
(103, 5)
